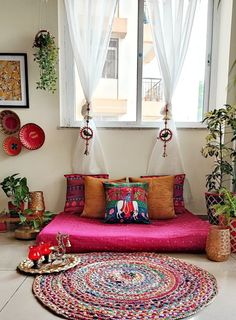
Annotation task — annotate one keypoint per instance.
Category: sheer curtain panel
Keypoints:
(90, 26)
(171, 24)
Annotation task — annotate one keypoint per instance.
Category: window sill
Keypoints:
(133, 125)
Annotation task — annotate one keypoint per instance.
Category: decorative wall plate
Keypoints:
(12, 146)
(68, 262)
(32, 136)
(9, 122)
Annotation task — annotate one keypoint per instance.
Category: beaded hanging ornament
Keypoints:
(86, 132)
(165, 134)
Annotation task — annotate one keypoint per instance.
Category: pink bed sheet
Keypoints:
(186, 232)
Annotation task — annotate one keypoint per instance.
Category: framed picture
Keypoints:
(13, 80)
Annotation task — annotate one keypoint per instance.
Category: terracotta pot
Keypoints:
(211, 199)
(218, 243)
(232, 228)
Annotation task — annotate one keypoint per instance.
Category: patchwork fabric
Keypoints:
(160, 196)
(75, 191)
(126, 203)
(178, 195)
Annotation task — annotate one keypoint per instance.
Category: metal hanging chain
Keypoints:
(86, 132)
(165, 134)
(42, 14)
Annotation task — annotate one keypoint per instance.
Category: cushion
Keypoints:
(178, 192)
(126, 202)
(160, 196)
(94, 206)
(75, 191)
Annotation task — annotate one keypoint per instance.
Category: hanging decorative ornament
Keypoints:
(86, 132)
(165, 134)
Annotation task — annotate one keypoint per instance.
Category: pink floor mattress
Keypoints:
(186, 232)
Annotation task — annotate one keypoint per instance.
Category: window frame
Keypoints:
(70, 116)
(115, 61)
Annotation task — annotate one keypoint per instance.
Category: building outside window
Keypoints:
(130, 92)
(110, 69)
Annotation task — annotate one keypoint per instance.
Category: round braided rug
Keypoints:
(127, 286)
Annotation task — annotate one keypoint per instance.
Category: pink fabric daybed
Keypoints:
(186, 232)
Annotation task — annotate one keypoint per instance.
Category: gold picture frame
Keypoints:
(13, 80)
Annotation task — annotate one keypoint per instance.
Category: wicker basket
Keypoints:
(218, 243)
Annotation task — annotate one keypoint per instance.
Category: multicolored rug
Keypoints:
(137, 286)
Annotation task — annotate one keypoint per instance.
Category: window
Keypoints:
(130, 92)
(110, 69)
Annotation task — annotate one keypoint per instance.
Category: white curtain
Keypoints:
(90, 25)
(171, 24)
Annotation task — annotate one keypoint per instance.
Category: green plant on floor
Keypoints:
(46, 56)
(34, 220)
(221, 125)
(228, 207)
(16, 189)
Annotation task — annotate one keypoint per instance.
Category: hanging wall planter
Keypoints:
(46, 56)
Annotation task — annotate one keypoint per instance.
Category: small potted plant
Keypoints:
(16, 189)
(227, 212)
(46, 56)
(31, 223)
(221, 125)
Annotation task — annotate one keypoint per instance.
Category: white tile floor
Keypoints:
(18, 302)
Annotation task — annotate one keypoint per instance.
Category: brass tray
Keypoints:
(68, 262)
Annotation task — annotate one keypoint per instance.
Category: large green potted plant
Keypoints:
(227, 212)
(16, 189)
(221, 125)
(46, 55)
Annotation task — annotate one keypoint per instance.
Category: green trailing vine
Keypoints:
(46, 56)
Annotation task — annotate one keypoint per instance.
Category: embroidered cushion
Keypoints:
(75, 191)
(178, 192)
(94, 206)
(126, 202)
(160, 196)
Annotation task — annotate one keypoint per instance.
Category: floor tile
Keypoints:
(10, 281)
(24, 306)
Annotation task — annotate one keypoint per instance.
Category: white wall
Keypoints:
(127, 151)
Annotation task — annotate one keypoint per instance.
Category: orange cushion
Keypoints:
(160, 196)
(95, 203)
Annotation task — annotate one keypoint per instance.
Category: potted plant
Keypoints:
(17, 191)
(227, 212)
(221, 125)
(46, 56)
(31, 223)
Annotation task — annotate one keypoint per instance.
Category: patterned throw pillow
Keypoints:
(126, 202)
(75, 191)
(160, 196)
(178, 192)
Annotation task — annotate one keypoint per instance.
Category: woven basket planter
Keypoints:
(218, 243)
